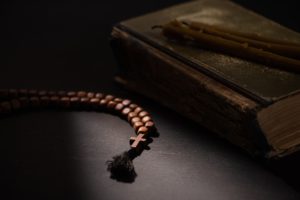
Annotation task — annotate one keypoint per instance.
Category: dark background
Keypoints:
(61, 155)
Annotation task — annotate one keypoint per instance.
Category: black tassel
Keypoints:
(121, 167)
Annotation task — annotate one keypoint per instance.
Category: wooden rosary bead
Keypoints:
(13, 93)
(32, 92)
(135, 119)
(84, 102)
(149, 125)
(94, 102)
(74, 101)
(142, 130)
(45, 100)
(42, 93)
(24, 102)
(109, 97)
(23, 92)
(111, 104)
(126, 110)
(137, 125)
(54, 100)
(118, 100)
(119, 107)
(5, 107)
(126, 102)
(84, 99)
(15, 104)
(133, 106)
(137, 110)
(143, 114)
(103, 102)
(99, 95)
(146, 119)
(91, 95)
(71, 94)
(51, 93)
(34, 102)
(65, 102)
(131, 115)
(61, 93)
(81, 94)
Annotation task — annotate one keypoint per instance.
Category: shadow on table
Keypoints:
(37, 161)
(287, 168)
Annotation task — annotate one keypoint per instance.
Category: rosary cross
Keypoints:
(136, 140)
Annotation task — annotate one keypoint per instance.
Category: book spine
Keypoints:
(175, 85)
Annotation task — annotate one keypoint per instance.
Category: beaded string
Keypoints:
(14, 100)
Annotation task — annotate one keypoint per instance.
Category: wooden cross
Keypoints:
(136, 140)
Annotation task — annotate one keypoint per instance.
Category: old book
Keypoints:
(254, 106)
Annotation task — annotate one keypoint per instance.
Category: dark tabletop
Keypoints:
(61, 155)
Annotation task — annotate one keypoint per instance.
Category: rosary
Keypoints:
(121, 166)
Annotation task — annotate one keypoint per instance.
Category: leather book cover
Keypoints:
(217, 88)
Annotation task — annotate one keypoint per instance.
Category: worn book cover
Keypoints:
(253, 105)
